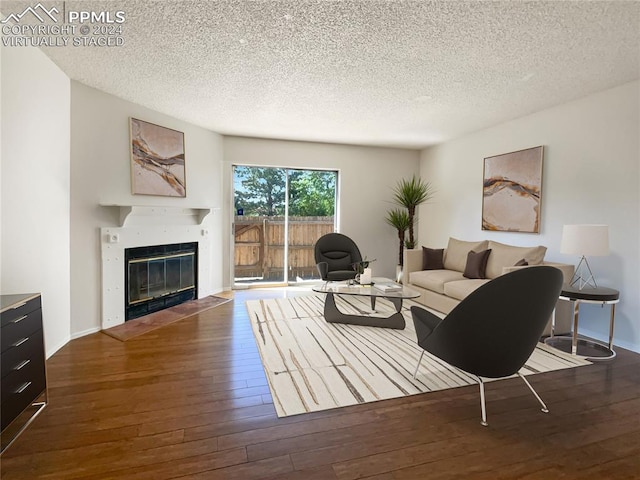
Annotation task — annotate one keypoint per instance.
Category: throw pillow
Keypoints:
(455, 256)
(507, 255)
(476, 264)
(521, 263)
(432, 258)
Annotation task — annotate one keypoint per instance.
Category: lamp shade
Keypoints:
(585, 240)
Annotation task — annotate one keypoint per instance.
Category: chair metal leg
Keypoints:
(482, 403)
(415, 374)
(544, 407)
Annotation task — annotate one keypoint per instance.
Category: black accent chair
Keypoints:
(495, 329)
(335, 256)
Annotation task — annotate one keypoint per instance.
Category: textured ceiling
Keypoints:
(401, 73)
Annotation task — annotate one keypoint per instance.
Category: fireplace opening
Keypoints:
(159, 276)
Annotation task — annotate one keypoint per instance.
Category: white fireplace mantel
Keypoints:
(128, 212)
(145, 225)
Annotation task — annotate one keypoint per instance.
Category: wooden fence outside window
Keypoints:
(260, 242)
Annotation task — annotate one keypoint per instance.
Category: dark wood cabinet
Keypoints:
(22, 361)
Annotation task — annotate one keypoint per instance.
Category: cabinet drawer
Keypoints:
(20, 328)
(20, 389)
(14, 382)
(16, 358)
(13, 313)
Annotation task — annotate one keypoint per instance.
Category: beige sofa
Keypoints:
(443, 288)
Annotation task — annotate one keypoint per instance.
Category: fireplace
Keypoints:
(159, 276)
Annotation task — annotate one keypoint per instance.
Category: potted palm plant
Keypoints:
(399, 219)
(410, 194)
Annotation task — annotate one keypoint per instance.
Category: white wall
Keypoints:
(35, 186)
(591, 174)
(101, 174)
(366, 178)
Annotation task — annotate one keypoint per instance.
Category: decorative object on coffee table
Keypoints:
(585, 240)
(157, 160)
(365, 277)
(363, 264)
(512, 190)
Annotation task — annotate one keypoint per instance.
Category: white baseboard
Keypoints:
(52, 350)
(85, 332)
(605, 339)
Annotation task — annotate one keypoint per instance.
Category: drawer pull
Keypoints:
(18, 306)
(20, 342)
(22, 365)
(18, 320)
(23, 388)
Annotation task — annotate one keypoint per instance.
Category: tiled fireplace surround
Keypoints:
(143, 226)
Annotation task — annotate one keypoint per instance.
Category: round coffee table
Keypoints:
(590, 349)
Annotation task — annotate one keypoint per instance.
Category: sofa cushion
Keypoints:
(432, 258)
(434, 280)
(455, 257)
(507, 256)
(459, 289)
(476, 264)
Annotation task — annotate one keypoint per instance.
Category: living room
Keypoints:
(590, 176)
(66, 159)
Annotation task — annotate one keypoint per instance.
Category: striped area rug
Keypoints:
(313, 365)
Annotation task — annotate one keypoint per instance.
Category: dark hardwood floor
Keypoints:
(190, 400)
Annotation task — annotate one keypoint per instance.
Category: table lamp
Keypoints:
(585, 240)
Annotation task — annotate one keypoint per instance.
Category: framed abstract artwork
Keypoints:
(157, 160)
(512, 191)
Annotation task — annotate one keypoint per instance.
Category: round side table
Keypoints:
(590, 349)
